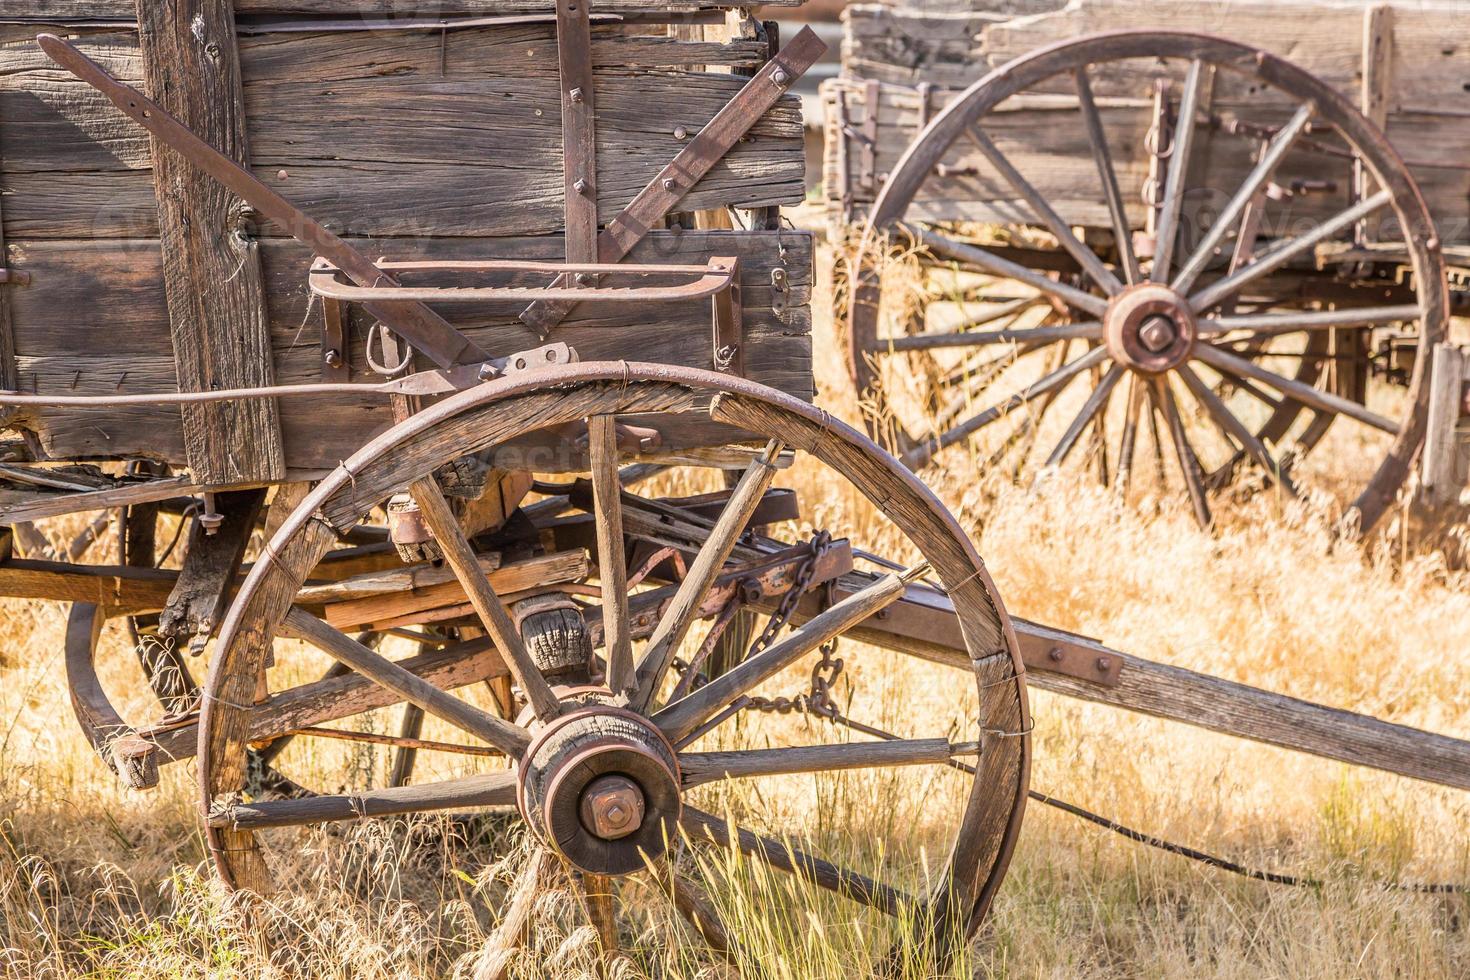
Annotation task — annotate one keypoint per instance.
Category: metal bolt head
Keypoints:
(576, 95)
(612, 807)
(1157, 333)
(681, 133)
(584, 279)
(780, 76)
(333, 358)
(580, 185)
(670, 183)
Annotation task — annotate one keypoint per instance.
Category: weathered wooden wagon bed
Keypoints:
(1326, 130)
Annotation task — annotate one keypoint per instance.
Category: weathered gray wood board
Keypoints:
(384, 9)
(363, 131)
(216, 301)
(118, 342)
(1045, 139)
(1426, 103)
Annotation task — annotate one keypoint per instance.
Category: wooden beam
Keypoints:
(212, 274)
(392, 596)
(119, 589)
(196, 605)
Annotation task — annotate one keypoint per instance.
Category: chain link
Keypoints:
(817, 699)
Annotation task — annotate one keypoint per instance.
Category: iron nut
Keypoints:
(333, 358)
(581, 186)
(781, 76)
(576, 95)
(670, 183)
(612, 807)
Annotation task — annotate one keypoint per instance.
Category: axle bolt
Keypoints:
(1157, 333)
(612, 807)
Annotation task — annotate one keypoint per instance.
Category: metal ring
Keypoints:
(376, 330)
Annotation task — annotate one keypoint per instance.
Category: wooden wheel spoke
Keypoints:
(683, 609)
(1189, 465)
(1087, 330)
(1272, 259)
(1297, 391)
(607, 491)
(510, 739)
(1167, 233)
(1275, 324)
(1102, 156)
(1054, 381)
(1271, 158)
(694, 905)
(700, 825)
(704, 767)
(1090, 409)
(490, 790)
(685, 715)
(495, 956)
(599, 898)
(1085, 256)
(998, 266)
(461, 558)
(1128, 442)
(1234, 427)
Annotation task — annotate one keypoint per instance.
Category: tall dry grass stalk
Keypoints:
(96, 881)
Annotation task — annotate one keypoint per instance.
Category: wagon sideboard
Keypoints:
(413, 141)
(1404, 64)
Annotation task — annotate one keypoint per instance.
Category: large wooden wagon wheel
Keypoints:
(607, 779)
(1210, 333)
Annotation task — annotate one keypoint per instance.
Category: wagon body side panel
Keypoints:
(349, 124)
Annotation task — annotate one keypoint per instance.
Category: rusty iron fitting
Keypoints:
(612, 807)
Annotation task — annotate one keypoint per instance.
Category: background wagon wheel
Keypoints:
(1211, 333)
(604, 779)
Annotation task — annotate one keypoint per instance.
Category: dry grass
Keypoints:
(97, 881)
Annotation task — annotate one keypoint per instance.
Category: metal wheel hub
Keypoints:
(600, 786)
(1149, 328)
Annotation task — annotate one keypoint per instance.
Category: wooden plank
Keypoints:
(360, 143)
(197, 603)
(119, 281)
(123, 9)
(1443, 458)
(119, 589)
(1426, 109)
(436, 588)
(216, 299)
(578, 130)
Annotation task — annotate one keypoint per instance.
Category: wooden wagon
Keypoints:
(363, 328)
(386, 315)
(1288, 173)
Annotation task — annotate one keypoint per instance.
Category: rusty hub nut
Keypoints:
(612, 807)
(600, 786)
(1157, 333)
